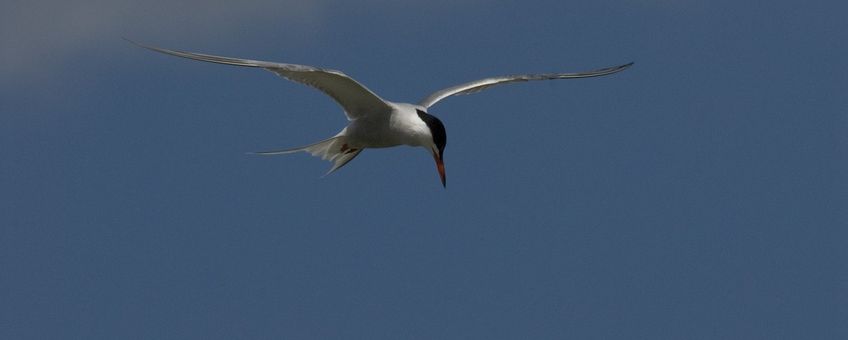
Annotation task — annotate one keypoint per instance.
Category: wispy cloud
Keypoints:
(36, 36)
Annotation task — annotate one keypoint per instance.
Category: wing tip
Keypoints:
(156, 49)
(136, 43)
(621, 67)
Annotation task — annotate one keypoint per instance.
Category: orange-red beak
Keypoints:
(441, 167)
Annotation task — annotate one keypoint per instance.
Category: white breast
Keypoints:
(401, 127)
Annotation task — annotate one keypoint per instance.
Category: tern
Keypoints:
(374, 122)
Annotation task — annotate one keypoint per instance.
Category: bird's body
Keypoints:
(373, 121)
(399, 126)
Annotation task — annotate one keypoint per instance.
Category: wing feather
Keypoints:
(482, 84)
(353, 97)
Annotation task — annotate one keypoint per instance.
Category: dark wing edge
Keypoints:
(353, 97)
(482, 84)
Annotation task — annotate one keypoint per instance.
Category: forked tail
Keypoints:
(333, 149)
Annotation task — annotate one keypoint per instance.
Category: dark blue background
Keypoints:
(700, 194)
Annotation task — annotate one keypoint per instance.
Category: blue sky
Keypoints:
(700, 194)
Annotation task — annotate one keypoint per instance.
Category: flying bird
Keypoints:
(374, 122)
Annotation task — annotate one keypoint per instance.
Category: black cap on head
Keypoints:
(437, 129)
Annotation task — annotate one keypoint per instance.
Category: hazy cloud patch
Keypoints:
(36, 36)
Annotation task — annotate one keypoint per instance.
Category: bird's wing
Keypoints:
(354, 98)
(482, 84)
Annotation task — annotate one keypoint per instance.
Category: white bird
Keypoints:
(373, 121)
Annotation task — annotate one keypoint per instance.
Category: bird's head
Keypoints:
(437, 144)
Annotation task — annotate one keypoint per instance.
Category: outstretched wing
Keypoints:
(482, 84)
(354, 98)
